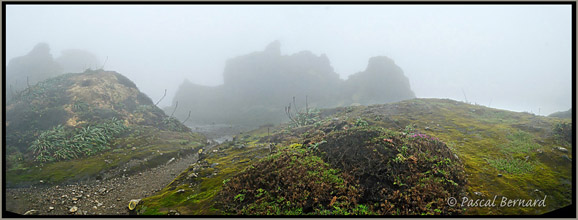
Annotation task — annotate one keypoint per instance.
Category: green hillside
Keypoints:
(80, 126)
(405, 158)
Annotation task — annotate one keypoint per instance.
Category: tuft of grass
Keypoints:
(150, 143)
(511, 165)
(519, 142)
(60, 143)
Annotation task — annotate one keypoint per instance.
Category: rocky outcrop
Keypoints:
(39, 65)
(259, 85)
(77, 100)
(30, 69)
(381, 82)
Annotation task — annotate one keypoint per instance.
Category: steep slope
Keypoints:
(81, 126)
(507, 155)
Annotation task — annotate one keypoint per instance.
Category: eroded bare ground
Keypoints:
(107, 197)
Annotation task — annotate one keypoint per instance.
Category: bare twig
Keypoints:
(306, 107)
(162, 97)
(104, 63)
(187, 117)
(28, 84)
(176, 106)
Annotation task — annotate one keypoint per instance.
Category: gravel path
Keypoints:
(110, 196)
(107, 197)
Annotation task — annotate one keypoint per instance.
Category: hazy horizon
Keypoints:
(514, 57)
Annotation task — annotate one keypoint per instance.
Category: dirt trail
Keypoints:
(107, 197)
(110, 196)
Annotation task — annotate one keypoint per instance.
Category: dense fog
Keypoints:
(515, 57)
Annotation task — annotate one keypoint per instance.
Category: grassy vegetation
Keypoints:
(402, 158)
(482, 136)
(520, 146)
(298, 179)
(80, 126)
(511, 165)
(156, 146)
(60, 143)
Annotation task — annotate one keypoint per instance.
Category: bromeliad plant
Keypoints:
(61, 143)
(301, 118)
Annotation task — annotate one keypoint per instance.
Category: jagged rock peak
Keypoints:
(380, 63)
(274, 48)
(40, 48)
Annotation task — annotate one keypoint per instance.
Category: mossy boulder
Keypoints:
(380, 171)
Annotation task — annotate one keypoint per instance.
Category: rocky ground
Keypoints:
(106, 197)
(109, 196)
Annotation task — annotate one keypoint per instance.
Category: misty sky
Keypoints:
(516, 57)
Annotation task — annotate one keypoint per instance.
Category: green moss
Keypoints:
(478, 134)
(201, 182)
(484, 139)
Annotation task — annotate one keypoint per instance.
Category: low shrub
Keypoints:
(290, 182)
(62, 143)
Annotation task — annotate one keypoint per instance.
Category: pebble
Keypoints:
(50, 208)
(478, 193)
(499, 175)
(180, 191)
(562, 149)
(32, 212)
(73, 209)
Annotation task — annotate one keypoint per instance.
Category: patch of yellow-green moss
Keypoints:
(478, 134)
(200, 184)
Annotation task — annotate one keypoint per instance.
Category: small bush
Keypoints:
(563, 131)
(398, 173)
(361, 170)
(290, 182)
